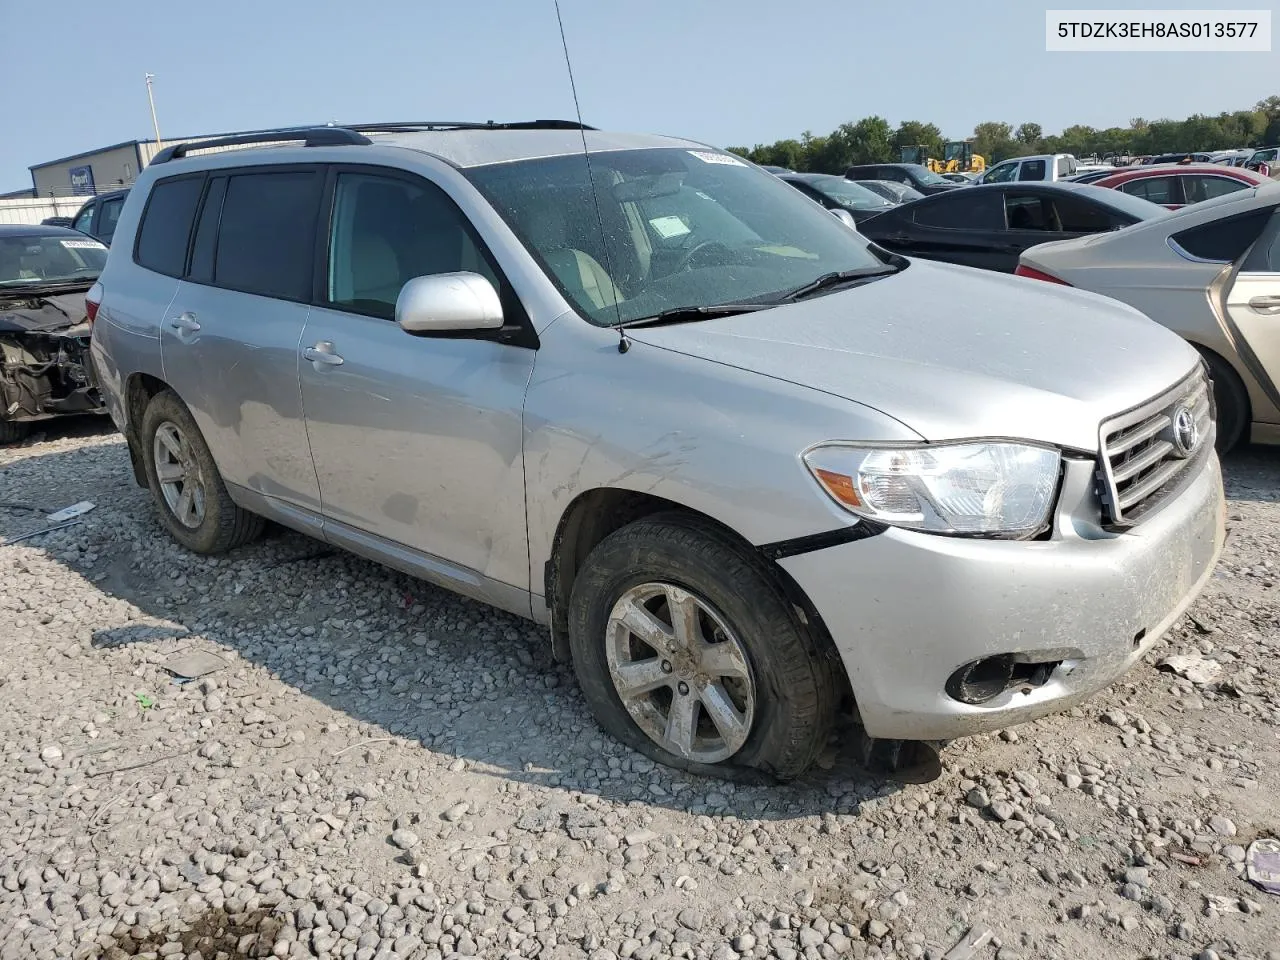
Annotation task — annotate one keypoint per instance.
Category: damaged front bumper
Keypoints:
(46, 373)
(911, 614)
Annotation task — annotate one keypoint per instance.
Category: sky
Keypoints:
(727, 72)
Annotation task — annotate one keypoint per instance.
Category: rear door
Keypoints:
(961, 226)
(1030, 219)
(229, 341)
(1253, 302)
(1166, 191)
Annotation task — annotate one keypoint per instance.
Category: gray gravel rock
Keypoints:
(358, 706)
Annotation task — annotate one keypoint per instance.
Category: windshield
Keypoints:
(848, 194)
(38, 259)
(925, 175)
(681, 229)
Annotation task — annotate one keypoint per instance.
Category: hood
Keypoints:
(53, 313)
(953, 353)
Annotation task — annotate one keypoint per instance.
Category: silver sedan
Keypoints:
(1210, 273)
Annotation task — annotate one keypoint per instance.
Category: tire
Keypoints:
(12, 431)
(218, 525)
(1232, 400)
(784, 705)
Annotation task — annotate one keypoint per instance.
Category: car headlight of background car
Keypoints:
(976, 488)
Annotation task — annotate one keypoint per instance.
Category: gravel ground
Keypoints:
(383, 770)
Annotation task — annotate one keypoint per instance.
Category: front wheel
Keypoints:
(687, 651)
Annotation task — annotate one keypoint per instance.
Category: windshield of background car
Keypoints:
(667, 229)
(925, 175)
(38, 259)
(849, 194)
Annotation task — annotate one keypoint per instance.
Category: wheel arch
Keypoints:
(596, 513)
(139, 390)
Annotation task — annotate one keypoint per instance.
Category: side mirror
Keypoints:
(845, 217)
(446, 302)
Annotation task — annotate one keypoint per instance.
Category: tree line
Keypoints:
(873, 140)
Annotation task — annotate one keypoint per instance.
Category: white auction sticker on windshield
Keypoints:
(668, 227)
(82, 244)
(724, 158)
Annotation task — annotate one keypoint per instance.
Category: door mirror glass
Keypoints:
(446, 302)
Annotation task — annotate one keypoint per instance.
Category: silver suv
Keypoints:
(746, 466)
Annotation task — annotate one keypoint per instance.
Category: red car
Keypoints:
(1176, 185)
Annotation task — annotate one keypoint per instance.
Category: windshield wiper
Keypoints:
(36, 286)
(834, 279)
(692, 314)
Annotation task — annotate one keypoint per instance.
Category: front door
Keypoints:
(416, 440)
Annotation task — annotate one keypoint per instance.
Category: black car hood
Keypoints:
(61, 313)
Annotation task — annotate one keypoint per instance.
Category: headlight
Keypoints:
(977, 488)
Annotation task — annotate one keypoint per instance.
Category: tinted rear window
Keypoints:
(1223, 240)
(266, 242)
(166, 225)
(979, 210)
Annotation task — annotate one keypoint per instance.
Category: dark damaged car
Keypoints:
(44, 329)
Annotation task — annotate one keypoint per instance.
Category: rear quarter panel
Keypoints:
(126, 334)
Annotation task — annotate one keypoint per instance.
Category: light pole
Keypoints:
(152, 100)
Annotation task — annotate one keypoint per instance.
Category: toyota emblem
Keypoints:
(1186, 433)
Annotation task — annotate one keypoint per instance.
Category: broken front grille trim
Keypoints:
(1139, 462)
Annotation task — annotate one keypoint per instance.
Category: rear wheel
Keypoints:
(687, 651)
(185, 483)
(1232, 400)
(12, 431)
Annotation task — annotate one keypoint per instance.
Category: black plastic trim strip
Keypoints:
(782, 549)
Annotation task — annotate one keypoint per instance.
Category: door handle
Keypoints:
(185, 323)
(1268, 304)
(322, 355)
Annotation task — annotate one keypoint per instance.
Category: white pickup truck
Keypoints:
(1042, 167)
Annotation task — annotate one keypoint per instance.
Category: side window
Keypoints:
(1265, 256)
(1223, 241)
(166, 224)
(1003, 173)
(1064, 167)
(1031, 170)
(1077, 215)
(1026, 212)
(108, 217)
(266, 238)
(84, 219)
(386, 231)
(1161, 190)
(1205, 186)
(975, 211)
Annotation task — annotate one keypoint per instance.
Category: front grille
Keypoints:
(1145, 451)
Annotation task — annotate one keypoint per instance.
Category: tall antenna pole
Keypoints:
(152, 100)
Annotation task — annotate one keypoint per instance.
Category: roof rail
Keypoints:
(328, 136)
(467, 125)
